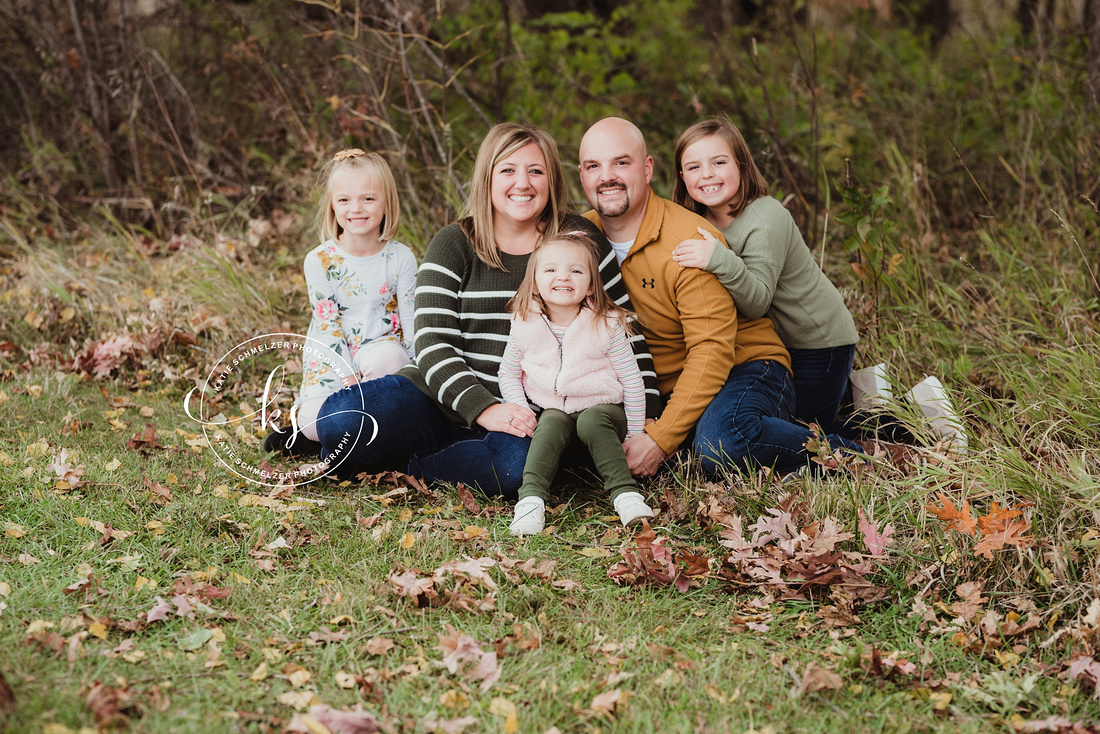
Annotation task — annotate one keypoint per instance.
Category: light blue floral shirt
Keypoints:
(355, 301)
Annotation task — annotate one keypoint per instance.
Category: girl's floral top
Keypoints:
(355, 301)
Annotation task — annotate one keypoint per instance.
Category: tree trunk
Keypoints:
(1026, 11)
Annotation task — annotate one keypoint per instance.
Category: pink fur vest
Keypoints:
(573, 375)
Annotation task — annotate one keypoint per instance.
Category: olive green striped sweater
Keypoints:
(462, 321)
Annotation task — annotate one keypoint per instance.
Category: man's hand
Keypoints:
(643, 455)
(695, 253)
(517, 420)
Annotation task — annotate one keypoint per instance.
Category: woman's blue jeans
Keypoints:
(747, 424)
(375, 424)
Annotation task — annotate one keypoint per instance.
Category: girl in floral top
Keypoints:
(360, 282)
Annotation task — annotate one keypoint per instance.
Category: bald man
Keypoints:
(727, 379)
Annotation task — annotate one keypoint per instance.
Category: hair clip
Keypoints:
(343, 155)
(576, 233)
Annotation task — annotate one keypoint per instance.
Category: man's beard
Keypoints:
(612, 210)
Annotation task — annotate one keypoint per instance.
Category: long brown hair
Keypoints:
(373, 165)
(500, 142)
(527, 296)
(753, 185)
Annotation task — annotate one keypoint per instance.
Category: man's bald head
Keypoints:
(618, 133)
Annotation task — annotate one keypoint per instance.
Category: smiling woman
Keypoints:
(443, 419)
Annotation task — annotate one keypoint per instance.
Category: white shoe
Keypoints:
(632, 508)
(932, 399)
(529, 517)
(871, 388)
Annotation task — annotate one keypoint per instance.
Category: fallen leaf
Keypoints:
(451, 726)
(196, 639)
(470, 532)
(1014, 534)
(453, 699)
(105, 704)
(939, 700)
(503, 707)
(297, 699)
(146, 441)
(818, 678)
(467, 498)
(66, 473)
(183, 606)
(956, 519)
(299, 677)
(345, 722)
(875, 541)
(161, 494)
(14, 530)
(608, 702)
(379, 645)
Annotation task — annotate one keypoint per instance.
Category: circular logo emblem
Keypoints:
(247, 394)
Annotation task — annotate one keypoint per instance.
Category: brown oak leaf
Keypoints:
(956, 519)
(1014, 533)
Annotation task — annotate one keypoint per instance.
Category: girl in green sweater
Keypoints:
(767, 267)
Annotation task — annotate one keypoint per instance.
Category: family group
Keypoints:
(530, 333)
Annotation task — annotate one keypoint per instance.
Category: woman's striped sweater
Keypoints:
(462, 321)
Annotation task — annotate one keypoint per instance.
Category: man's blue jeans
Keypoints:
(408, 427)
(820, 381)
(747, 424)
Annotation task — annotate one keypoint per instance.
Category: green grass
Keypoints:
(685, 661)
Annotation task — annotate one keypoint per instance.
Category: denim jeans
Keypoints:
(747, 423)
(820, 381)
(389, 423)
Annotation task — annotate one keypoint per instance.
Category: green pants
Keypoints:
(601, 428)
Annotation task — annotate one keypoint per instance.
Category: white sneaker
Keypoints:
(632, 508)
(529, 517)
(871, 388)
(931, 397)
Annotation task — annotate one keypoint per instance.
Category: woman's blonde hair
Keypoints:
(753, 185)
(500, 142)
(373, 165)
(527, 295)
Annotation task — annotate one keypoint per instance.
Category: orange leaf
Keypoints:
(996, 520)
(957, 519)
(1013, 534)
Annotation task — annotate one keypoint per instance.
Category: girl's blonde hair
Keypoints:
(599, 301)
(371, 164)
(500, 142)
(753, 185)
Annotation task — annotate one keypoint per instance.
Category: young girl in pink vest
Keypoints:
(569, 354)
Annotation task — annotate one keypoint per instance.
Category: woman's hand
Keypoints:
(350, 380)
(517, 420)
(695, 253)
